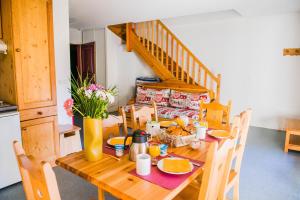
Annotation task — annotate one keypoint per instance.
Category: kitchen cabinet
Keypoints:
(39, 138)
(27, 73)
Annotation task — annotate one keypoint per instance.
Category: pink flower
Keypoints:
(93, 87)
(70, 112)
(68, 104)
(100, 87)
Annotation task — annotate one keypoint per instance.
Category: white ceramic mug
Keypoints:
(143, 164)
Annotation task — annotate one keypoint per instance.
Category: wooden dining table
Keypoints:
(112, 175)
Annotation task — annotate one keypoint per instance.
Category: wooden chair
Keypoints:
(140, 117)
(38, 178)
(240, 140)
(216, 161)
(112, 125)
(216, 114)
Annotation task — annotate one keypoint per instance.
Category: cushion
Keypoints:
(193, 100)
(188, 100)
(147, 95)
(169, 112)
(178, 99)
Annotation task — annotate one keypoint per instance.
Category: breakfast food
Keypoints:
(119, 141)
(176, 165)
(180, 131)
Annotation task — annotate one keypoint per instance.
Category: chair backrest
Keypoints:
(234, 132)
(215, 113)
(241, 139)
(141, 116)
(112, 125)
(38, 178)
(214, 169)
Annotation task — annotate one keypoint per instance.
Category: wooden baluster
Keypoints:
(177, 60)
(157, 27)
(143, 33)
(188, 68)
(137, 27)
(193, 71)
(162, 45)
(182, 64)
(205, 78)
(167, 51)
(199, 75)
(148, 36)
(172, 52)
(152, 42)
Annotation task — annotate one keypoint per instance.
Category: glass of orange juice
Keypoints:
(154, 151)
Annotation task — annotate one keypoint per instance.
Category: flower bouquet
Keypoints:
(91, 102)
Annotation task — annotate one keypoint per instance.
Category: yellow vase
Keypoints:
(93, 138)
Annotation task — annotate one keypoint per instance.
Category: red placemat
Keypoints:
(209, 138)
(168, 181)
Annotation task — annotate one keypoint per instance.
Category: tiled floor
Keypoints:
(267, 173)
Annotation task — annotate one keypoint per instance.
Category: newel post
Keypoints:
(128, 37)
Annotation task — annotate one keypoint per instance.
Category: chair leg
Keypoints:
(236, 189)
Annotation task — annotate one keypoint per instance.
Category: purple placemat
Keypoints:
(168, 181)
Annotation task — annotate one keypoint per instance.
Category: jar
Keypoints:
(119, 150)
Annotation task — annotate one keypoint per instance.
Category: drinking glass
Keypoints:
(154, 151)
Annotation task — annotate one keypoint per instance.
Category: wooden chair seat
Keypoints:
(190, 193)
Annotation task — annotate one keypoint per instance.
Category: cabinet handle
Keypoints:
(18, 50)
(39, 112)
(24, 129)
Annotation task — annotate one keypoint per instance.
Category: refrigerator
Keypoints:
(9, 131)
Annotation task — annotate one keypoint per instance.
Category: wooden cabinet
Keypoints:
(39, 137)
(33, 46)
(0, 23)
(27, 73)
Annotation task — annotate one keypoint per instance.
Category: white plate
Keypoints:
(121, 137)
(161, 168)
(218, 133)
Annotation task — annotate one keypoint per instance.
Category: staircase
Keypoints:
(168, 57)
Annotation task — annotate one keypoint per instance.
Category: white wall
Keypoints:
(62, 56)
(75, 36)
(97, 36)
(122, 68)
(248, 54)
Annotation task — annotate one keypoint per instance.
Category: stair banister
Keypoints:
(172, 54)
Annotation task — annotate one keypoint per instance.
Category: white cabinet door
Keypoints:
(9, 131)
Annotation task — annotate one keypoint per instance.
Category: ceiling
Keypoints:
(89, 14)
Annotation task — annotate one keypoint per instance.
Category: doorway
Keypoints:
(82, 59)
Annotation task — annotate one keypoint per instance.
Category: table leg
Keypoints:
(101, 194)
(287, 141)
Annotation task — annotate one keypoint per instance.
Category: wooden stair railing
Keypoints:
(169, 58)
